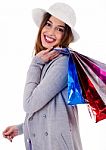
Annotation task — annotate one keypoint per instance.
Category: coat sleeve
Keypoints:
(20, 128)
(37, 94)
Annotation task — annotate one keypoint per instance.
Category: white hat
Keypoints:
(61, 11)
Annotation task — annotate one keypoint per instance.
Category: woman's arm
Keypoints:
(37, 94)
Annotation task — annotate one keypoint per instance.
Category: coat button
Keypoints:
(46, 133)
(33, 134)
(44, 115)
(28, 140)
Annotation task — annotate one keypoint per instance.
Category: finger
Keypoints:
(14, 134)
(10, 138)
(48, 50)
(8, 132)
(54, 56)
(4, 136)
(49, 54)
(53, 52)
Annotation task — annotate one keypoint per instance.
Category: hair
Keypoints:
(66, 40)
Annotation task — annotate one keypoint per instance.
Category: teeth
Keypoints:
(49, 39)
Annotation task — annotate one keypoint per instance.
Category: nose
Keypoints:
(51, 31)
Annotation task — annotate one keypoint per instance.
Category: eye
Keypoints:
(60, 29)
(48, 24)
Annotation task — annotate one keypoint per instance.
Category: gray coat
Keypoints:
(50, 124)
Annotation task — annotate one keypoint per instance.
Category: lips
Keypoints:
(49, 39)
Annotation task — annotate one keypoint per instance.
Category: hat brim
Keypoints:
(37, 15)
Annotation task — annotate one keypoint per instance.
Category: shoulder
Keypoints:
(60, 60)
(58, 65)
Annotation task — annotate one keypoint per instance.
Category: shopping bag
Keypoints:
(92, 78)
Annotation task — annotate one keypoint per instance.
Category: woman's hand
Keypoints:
(47, 55)
(10, 132)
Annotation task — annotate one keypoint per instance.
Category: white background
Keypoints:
(17, 38)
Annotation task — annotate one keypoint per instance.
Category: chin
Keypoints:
(47, 46)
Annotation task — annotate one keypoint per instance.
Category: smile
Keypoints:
(49, 39)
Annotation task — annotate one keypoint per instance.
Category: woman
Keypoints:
(50, 124)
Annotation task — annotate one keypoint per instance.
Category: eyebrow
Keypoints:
(58, 25)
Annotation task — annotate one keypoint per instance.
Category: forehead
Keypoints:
(56, 21)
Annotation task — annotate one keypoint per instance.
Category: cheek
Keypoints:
(59, 37)
(44, 30)
(42, 35)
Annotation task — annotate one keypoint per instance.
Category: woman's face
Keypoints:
(52, 33)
